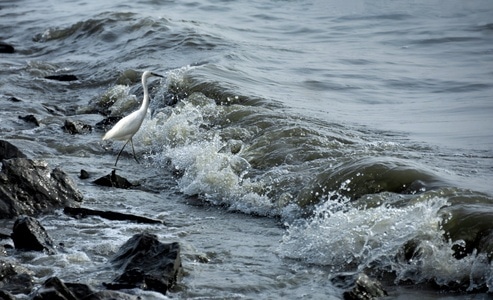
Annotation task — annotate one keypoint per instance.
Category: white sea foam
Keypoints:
(208, 171)
(347, 238)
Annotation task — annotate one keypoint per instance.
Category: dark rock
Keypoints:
(55, 109)
(15, 99)
(28, 234)
(76, 127)
(6, 48)
(62, 77)
(107, 123)
(54, 288)
(147, 263)
(30, 187)
(80, 212)
(4, 295)
(113, 180)
(30, 119)
(15, 278)
(84, 174)
(358, 286)
(7, 151)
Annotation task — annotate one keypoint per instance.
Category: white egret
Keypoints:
(126, 128)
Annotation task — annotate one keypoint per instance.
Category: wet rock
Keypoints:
(6, 48)
(4, 295)
(129, 77)
(358, 286)
(30, 187)
(107, 123)
(7, 151)
(30, 119)
(80, 212)
(113, 180)
(62, 77)
(147, 263)
(28, 234)
(75, 127)
(84, 174)
(54, 288)
(115, 102)
(15, 99)
(15, 278)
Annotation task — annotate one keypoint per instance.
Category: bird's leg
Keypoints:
(135, 156)
(121, 151)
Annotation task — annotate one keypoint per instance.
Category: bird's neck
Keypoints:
(145, 102)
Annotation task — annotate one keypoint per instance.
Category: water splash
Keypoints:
(407, 241)
(184, 136)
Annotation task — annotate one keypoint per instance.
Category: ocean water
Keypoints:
(289, 141)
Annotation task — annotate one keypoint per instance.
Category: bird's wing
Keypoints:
(126, 127)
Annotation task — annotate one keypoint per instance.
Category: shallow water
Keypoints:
(289, 141)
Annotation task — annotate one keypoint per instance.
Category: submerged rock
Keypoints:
(28, 234)
(15, 99)
(67, 77)
(147, 263)
(31, 187)
(30, 119)
(75, 127)
(113, 180)
(6, 48)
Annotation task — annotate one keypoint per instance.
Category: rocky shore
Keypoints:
(29, 188)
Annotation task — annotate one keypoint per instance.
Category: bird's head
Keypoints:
(148, 74)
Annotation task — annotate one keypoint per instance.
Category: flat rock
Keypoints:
(80, 212)
(66, 77)
(147, 263)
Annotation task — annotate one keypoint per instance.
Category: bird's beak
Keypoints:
(157, 75)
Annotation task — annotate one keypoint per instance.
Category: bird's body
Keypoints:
(126, 128)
